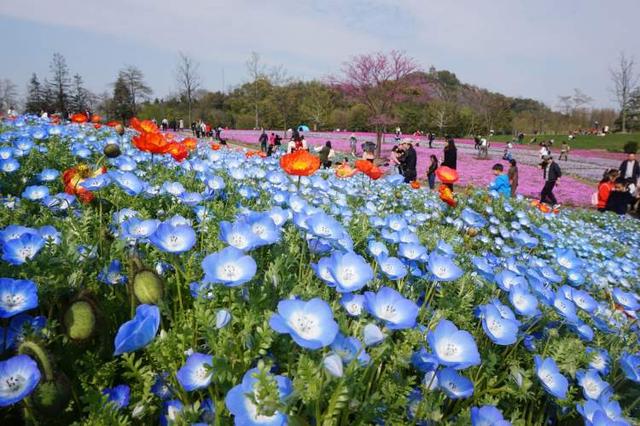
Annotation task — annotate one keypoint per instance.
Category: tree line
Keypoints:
(372, 92)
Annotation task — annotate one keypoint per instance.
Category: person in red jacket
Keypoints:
(604, 188)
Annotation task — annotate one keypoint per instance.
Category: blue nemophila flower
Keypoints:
(128, 182)
(424, 360)
(453, 384)
(332, 363)
(322, 225)
(309, 323)
(49, 234)
(17, 296)
(472, 218)
(18, 328)
(9, 165)
(161, 387)
(567, 258)
(18, 250)
(137, 229)
(552, 380)
(603, 412)
(239, 235)
(19, 376)
(487, 415)
(372, 335)
(584, 301)
(349, 271)
(264, 228)
(229, 266)
(524, 302)
(501, 331)
(630, 365)
(376, 248)
(139, 331)
(349, 348)
(112, 275)
(173, 239)
(353, 303)
(392, 308)
(452, 347)
(507, 279)
(412, 251)
(96, 183)
(600, 360)
(35, 192)
(565, 307)
(241, 401)
(392, 267)
(223, 317)
(118, 395)
(196, 373)
(628, 300)
(443, 267)
(592, 384)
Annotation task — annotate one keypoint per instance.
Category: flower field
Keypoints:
(147, 279)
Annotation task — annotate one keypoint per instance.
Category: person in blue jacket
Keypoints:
(501, 183)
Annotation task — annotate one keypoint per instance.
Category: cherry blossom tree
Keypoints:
(378, 81)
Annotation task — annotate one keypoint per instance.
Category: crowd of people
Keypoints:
(618, 191)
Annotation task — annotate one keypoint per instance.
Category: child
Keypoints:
(501, 183)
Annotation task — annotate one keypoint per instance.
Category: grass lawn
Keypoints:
(611, 142)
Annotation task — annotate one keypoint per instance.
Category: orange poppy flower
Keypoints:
(79, 117)
(364, 166)
(190, 143)
(135, 123)
(215, 146)
(151, 142)
(374, 173)
(345, 171)
(74, 176)
(446, 195)
(300, 163)
(95, 118)
(446, 174)
(177, 150)
(97, 125)
(415, 184)
(148, 126)
(112, 123)
(544, 208)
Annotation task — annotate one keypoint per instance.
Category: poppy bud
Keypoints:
(52, 397)
(111, 150)
(472, 232)
(148, 287)
(119, 129)
(80, 320)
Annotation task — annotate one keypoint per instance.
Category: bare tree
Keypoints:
(580, 99)
(138, 89)
(624, 81)
(565, 102)
(188, 79)
(8, 94)
(256, 72)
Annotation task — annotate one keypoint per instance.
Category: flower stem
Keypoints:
(42, 357)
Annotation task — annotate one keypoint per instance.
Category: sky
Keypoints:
(531, 48)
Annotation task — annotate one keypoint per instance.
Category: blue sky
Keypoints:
(539, 49)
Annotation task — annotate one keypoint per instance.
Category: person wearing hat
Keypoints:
(551, 174)
(408, 161)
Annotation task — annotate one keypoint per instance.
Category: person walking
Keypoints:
(263, 139)
(551, 174)
(409, 160)
(181, 124)
(450, 154)
(432, 137)
(431, 172)
(564, 151)
(512, 173)
(353, 144)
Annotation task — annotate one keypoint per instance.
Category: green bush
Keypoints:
(630, 147)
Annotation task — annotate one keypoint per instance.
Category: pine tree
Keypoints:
(80, 98)
(35, 96)
(59, 84)
(121, 102)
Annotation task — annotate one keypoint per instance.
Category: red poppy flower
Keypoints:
(300, 163)
(79, 117)
(151, 142)
(97, 125)
(95, 118)
(446, 174)
(190, 143)
(415, 184)
(364, 166)
(112, 123)
(374, 172)
(177, 150)
(215, 146)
